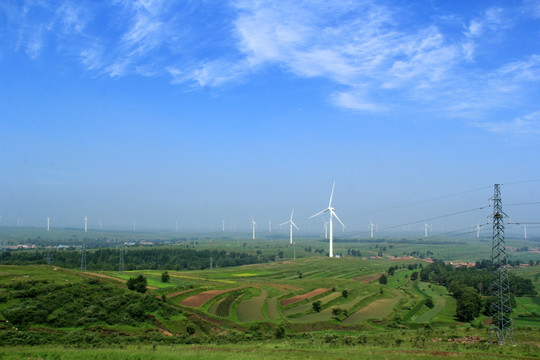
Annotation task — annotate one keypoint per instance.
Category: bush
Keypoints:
(137, 284)
(317, 306)
(429, 303)
(165, 277)
(383, 279)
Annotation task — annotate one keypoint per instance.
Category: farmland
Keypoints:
(271, 302)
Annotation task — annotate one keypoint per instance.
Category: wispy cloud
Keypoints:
(525, 125)
(377, 57)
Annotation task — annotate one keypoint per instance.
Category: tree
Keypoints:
(317, 306)
(345, 293)
(383, 279)
(414, 275)
(429, 303)
(165, 277)
(137, 284)
(469, 304)
(391, 270)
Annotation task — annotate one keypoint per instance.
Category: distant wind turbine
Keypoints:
(85, 224)
(371, 227)
(326, 229)
(253, 224)
(425, 229)
(48, 223)
(333, 214)
(525, 231)
(291, 224)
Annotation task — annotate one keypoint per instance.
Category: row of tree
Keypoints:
(171, 258)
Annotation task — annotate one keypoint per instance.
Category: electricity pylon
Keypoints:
(501, 307)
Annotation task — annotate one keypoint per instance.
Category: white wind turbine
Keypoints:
(330, 209)
(426, 229)
(291, 224)
(326, 229)
(253, 224)
(371, 227)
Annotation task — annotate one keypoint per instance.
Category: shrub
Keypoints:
(137, 284)
(165, 277)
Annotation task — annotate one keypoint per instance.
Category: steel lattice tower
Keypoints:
(83, 259)
(501, 307)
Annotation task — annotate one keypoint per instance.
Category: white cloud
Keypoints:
(356, 100)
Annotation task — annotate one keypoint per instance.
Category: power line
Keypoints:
(434, 218)
(526, 203)
(521, 182)
(420, 202)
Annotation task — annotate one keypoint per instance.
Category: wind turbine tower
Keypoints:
(525, 231)
(333, 214)
(85, 224)
(222, 225)
(371, 226)
(326, 230)
(291, 224)
(269, 226)
(253, 224)
(48, 223)
(426, 229)
(478, 231)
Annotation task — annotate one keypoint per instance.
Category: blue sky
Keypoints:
(158, 112)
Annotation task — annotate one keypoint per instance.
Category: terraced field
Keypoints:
(286, 291)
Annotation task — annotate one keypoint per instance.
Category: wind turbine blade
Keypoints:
(285, 223)
(293, 224)
(292, 213)
(342, 224)
(332, 194)
(319, 213)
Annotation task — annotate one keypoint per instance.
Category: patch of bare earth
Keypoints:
(298, 298)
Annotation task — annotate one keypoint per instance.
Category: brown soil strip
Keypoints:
(298, 298)
(201, 298)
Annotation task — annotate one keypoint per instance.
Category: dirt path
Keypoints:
(103, 276)
(298, 298)
(178, 293)
(367, 278)
(201, 298)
